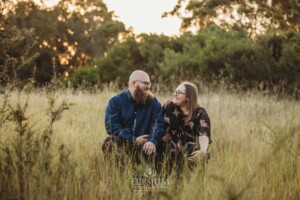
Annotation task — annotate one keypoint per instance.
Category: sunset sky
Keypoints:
(144, 16)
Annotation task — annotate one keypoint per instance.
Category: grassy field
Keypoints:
(51, 149)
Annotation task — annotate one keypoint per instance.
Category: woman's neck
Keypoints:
(184, 109)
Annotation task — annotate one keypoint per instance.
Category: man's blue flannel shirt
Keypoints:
(124, 117)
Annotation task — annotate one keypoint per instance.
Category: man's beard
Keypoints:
(140, 96)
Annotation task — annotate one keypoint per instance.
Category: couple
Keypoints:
(148, 132)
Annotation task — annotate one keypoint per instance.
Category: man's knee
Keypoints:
(112, 142)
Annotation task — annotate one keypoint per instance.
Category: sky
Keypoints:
(144, 16)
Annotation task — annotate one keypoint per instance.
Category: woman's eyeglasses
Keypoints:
(176, 93)
(147, 84)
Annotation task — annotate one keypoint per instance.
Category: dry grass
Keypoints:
(255, 150)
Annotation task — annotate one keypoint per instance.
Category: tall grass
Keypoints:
(255, 152)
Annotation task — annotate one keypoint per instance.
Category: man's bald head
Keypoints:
(139, 86)
(139, 75)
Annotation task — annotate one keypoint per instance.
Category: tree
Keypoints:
(68, 35)
(18, 48)
(251, 15)
(145, 52)
(121, 60)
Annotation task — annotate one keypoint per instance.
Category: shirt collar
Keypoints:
(129, 95)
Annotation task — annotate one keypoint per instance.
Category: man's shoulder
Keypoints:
(119, 98)
(155, 101)
(121, 95)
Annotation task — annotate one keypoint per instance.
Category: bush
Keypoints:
(85, 75)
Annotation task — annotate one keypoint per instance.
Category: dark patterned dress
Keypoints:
(182, 132)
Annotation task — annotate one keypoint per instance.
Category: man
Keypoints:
(133, 119)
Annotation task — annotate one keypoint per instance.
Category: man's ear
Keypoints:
(133, 84)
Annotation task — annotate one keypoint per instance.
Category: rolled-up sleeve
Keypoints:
(204, 125)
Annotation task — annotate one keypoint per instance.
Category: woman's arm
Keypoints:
(204, 137)
(196, 155)
(203, 142)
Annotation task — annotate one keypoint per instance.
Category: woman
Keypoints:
(187, 128)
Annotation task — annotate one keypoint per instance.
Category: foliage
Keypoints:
(212, 56)
(71, 37)
(26, 160)
(18, 52)
(145, 53)
(85, 75)
(121, 59)
(34, 38)
(255, 16)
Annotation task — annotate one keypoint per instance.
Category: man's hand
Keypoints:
(149, 148)
(141, 140)
(196, 156)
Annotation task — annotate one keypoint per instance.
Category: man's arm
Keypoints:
(112, 121)
(157, 123)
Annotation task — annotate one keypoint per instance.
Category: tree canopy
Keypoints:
(68, 35)
(82, 42)
(255, 16)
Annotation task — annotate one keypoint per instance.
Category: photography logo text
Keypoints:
(149, 180)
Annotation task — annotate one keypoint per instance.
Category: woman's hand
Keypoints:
(197, 155)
